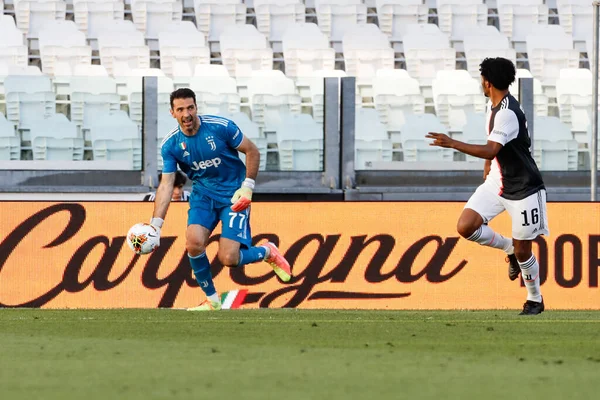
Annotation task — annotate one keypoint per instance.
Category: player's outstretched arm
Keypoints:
(243, 196)
(486, 151)
(162, 200)
(252, 157)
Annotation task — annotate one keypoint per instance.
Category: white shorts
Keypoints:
(529, 216)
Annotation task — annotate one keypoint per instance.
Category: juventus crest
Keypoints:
(211, 142)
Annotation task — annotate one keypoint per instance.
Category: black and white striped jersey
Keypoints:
(513, 172)
(185, 196)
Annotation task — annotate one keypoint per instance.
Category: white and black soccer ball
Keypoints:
(143, 238)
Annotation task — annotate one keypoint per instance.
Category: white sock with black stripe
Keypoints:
(485, 236)
(530, 271)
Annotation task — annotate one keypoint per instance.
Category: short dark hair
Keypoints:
(183, 93)
(498, 71)
(180, 178)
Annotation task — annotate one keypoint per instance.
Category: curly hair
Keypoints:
(498, 71)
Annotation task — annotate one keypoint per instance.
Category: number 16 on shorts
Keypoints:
(529, 217)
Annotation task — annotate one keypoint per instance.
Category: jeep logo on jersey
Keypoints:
(211, 141)
(196, 165)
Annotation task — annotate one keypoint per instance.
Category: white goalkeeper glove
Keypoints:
(243, 196)
(157, 224)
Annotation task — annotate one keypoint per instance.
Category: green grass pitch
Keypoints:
(298, 354)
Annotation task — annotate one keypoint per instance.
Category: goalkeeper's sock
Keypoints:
(214, 298)
(201, 268)
(252, 255)
(485, 236)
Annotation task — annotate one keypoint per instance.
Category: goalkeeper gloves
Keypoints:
(157, 223)
(243, 196)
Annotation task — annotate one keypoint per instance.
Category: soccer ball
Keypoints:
(142, 238)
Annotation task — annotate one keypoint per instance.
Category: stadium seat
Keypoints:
(13, 47)
(396, 94)
(427, 50)
(92, 96)
(184, 81)
(271, 95)
(249, 128)
(371, 141)
(210, 70)
(9, 69)
(89, 70)
(124, 79)
(135, 96)
(454, 91)
(61, 43)
(31, 15)
(540, 100)
(273, 17)
(213, 16)
(166, 123)
(215, 94)
(574, 98)
(64, 72)
(244, 49)
(455, 16)
(576, 19)
(395, 15)
(518, 17)
(366, 50)
(10, 143)
(554, 147)
(179, 57)
(336, 16)
(116, 137)
(300, 143)
(56, 138)
(485, 41)
(122, 48)
(474, 131)
(550, 49)
(92, 15)
(306, 49)
(252, 131)
(415, 146)
(151, 16)
(28, 98)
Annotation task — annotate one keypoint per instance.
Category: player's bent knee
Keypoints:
(465, 228)
(229, 259)
(523, 250)
(523, 254)
(194, 248)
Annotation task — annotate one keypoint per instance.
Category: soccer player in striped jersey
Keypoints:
(179, 194)
(206, 149)
(512, 182)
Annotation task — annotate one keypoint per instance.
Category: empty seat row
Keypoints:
(113, 137)
(366, 48)
(300, 140)
(270, 92)
(334, 16)
(555, 149)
